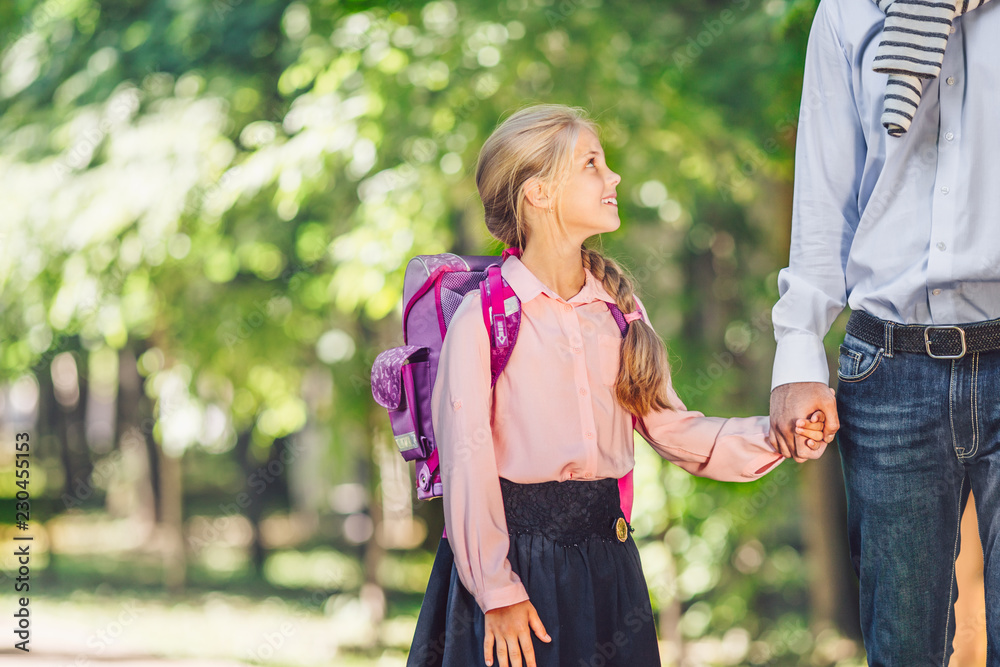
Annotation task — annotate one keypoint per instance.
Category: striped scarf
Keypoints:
(912, 49)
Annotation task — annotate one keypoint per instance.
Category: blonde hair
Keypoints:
(538, 142)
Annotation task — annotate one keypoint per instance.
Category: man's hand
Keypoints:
(789, 403)
(510, 629)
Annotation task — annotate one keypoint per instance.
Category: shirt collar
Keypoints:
(527, 286)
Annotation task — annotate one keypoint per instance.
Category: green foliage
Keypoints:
(232, 189)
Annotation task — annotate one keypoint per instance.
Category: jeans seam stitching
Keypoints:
(951, 586)
(975, 405)
(862, 376)
(951, 412)
(855, 360)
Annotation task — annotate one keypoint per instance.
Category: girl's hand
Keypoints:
(812, 430)
(510, 628)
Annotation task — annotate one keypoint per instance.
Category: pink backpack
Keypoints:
(403, 377)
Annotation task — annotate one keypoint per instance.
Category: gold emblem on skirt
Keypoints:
(621, 529)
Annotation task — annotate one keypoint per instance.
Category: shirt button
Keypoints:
(952, 30)
(457, 405)
(950, 81)
(941, 246)
(567, 307)
(949, 136)
(945, 190)
(577, 350)
(590, 435)
(588, 475)
(936, 292)
(583, 392)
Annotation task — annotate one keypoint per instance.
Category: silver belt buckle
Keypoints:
(927, 342)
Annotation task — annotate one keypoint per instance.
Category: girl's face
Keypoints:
(588, 202)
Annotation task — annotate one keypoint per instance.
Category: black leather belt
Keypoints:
(937, 341)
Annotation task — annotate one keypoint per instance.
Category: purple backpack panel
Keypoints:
(403, 377)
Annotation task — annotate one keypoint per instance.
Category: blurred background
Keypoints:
(206, 208)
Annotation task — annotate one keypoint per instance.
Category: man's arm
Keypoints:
(829, 159)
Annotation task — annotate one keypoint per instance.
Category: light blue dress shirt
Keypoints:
(904, 228)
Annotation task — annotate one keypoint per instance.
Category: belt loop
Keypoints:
(888, 340)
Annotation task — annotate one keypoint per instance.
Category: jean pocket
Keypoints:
(858, 359)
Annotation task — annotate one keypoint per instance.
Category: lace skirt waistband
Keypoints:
(566, 512)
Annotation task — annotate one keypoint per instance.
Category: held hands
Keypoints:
(812, 430)
(510, 628)
(803, 439)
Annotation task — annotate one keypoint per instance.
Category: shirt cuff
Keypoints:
(800, 358)
(502, 597)
(747, 449)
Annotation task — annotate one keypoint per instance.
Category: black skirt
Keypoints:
(585, 583)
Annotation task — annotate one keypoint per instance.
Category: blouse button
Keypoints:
(590, 435)
(457, 405)
(567, 308)
(583, 392)
(577, 350)
(588, 475)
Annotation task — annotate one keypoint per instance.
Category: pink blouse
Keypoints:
(553, 416)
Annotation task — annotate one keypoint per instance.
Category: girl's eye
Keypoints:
(591, 162)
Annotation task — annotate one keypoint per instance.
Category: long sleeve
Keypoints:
(829, 161)
(473, 505)
(729, 450)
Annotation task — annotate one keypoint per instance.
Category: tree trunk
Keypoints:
(174, 556)
(253, 474)
(70, 420)
(52, 415)
(136, 494)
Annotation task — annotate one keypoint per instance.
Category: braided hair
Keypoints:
(538, 142)
(641, 385)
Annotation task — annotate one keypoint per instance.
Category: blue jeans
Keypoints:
(918, 433)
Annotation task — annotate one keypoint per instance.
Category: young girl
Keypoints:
(530, 471)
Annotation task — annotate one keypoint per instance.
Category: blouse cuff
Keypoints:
(749, 448)
(502, 597)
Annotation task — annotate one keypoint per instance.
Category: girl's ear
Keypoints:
(536, 194)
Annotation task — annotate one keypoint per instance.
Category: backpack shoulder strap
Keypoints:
(502, 317)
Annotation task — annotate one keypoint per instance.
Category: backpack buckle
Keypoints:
(500, 329)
